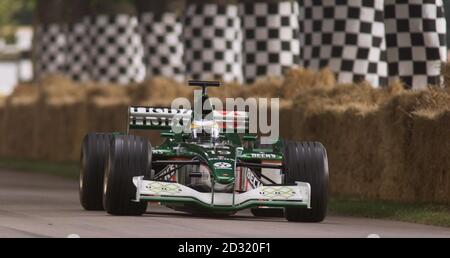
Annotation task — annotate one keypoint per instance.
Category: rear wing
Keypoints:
(150, 118)
(232, 121)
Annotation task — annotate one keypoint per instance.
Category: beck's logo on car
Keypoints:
(157, 152)
(263, 156)
(253, 180)
(222, 165)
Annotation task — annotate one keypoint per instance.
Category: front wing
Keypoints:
(270, 196)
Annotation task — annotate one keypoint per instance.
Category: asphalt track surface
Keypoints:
(36, 205)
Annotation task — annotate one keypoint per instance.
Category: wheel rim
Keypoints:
(106, 176)
(83, 167)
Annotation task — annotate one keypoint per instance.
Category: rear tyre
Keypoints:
(307, 162)
(129, 156)
(94, 153)
(267, 212)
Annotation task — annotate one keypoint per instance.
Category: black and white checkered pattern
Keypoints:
(271, 38)
(213, 42)
(346, 35)
(162, 39)
(50, 49)
(116, 49)
(77, 56)
(416, 41)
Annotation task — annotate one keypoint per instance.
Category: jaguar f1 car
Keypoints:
(205, 170)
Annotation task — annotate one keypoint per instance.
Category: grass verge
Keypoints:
(429, 214)
(63, 169)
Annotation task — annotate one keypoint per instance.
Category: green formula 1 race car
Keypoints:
(205, 170)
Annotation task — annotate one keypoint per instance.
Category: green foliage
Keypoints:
(96, 2)
(112, 6)
(429, 214)
(14, 13)
(64, 169)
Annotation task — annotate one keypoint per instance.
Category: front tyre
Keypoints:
(307, 162)
(129, 156)
(94, 153)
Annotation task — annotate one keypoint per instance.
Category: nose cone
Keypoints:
(223, 172)
(225, 178)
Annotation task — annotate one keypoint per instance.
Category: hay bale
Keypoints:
(433, 102)
(108, 108)
(370, 163)
(352, 160)
(267, 88)
(99, 92)
(300, 80)
(427, 168)
(23, 93)
(19, 121)
(228, 90)
(2, 122)
(19, 126)
(427, 154)
(107, 115)
(62, 119)
(396, 123)
(445, 71)
(405, 142)
(158, 92)
(287, 120)
(60, 127)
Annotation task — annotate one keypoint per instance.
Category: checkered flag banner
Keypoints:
(416, 41)
(163, 46)
(346, 36)
(50, 49)
(116, 49)
(77, 56)
(213, 42)
(271, 38)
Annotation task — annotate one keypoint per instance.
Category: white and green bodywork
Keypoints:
(226, 172)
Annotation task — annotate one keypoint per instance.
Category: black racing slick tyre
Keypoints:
(94, 152)
(129, 156)
(307, 162)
